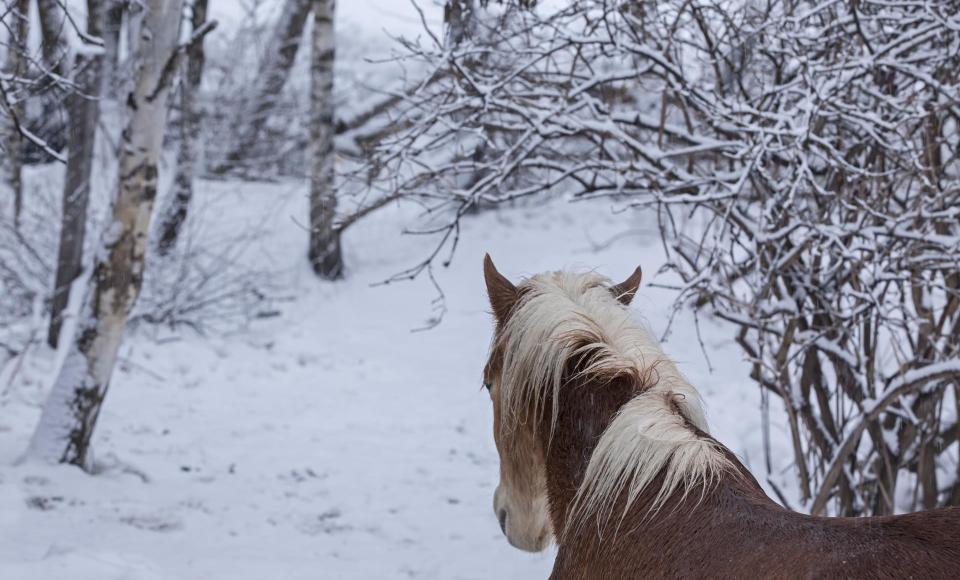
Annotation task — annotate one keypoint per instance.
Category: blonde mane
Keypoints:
(563, 317)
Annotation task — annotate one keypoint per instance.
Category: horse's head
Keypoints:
(520, 501)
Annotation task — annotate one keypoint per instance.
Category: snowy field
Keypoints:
(330, 441)
(333, 440)
(339, 430)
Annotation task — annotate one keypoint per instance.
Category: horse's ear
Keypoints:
(503, 294)
(626, 290)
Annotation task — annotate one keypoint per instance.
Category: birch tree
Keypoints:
(13, 145)
(83, 113)
(173, 216)
(70, 413)
(272, 75)
(325, 252)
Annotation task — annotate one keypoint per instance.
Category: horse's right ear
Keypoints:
(503, 294)
(626, 290)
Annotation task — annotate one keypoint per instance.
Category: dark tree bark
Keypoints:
(457, 21)
(50, 125)
(175, 213)
(54, 45)
(83, 108)
(113, 24)
(12, 161)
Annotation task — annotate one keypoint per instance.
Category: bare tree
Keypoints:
(458, 21)
(274, 69)
(173, 216)
(83, 111)
(459, 17)
(112, 27)
(70, 413)
(53, 23)
(325, 252)
(13, 146)
(40, 81)
(805, 164)
(50, 125)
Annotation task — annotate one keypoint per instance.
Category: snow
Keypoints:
(330, 441)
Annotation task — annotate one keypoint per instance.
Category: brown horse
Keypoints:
(604, 448)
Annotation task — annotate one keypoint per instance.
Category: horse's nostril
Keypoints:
(502, 518)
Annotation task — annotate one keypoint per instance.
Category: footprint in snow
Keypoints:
(152, 522)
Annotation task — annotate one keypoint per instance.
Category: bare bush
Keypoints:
(206, 283)
(802, 157)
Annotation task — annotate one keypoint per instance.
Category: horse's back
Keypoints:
(916, 545)
(779, 544)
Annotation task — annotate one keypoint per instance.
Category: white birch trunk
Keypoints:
(325, 253)
(70, 413)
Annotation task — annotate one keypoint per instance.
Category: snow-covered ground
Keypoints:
(329, 441)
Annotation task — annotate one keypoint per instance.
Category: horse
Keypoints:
(604, 449)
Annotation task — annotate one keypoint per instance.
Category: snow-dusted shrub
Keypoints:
(27, 253)
(27, 256)
(206, 283)
(802, 156)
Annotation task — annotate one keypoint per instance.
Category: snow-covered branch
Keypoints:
(806, 165)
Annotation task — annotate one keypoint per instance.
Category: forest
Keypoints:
(243, 318)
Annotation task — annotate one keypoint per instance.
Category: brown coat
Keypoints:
(734, 531)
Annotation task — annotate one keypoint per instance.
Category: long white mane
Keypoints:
(566, 316)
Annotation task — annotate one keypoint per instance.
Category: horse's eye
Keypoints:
(486, 385)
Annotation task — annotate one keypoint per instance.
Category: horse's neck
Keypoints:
(585, 411)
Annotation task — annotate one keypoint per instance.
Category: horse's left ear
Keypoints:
(626, 290)
(502, 293)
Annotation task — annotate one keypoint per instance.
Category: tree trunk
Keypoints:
(458, 21)
(274, 70)
(113, 24)
(54, 45)
(12, 160)
(50, 122)
(83, 107)
(325, 253)
(176, 212)
(70, 413)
